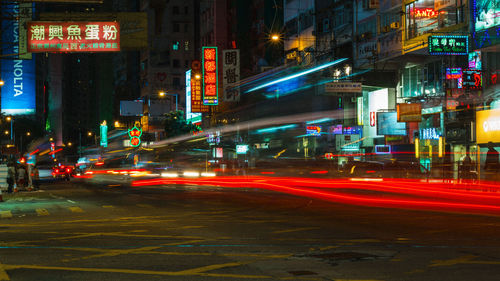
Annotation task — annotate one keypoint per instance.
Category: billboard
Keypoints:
(231, 74)
(18, 91)
(190, 116)
(131, 108)
(52, 36)
(210, 77)
(387, 124)
(25, 15)
(488, 126)
(448, 45)
(377, 100)
(409, 112)
(486, 14)
(133, 25)
(196, 95)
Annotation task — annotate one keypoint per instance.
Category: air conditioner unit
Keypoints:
(373, 4)
(386, 28)
(395, 25)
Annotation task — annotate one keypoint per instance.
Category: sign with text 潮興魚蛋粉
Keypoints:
(448, 45)
(73, 36)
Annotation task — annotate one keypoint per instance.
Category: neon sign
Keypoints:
(448, 45)
(425, 13)
(73, 36)
(472, 79)
(135, 136)
(104, 134)
(210, 79)
(313, 130)
(453, 73)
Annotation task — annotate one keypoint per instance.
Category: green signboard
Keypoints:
(448, 45)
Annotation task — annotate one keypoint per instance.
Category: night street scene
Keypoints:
(336, 140)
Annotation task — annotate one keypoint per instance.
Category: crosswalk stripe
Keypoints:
(42, 212)
(76, 209)
(5, 214)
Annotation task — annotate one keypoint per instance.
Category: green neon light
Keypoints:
(135, 134)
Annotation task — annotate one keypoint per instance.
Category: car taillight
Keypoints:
(57, 171)
(370, 171)
(68, 170)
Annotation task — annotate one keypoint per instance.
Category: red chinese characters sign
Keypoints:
(196, 101)
(73, 36)
(210, 78)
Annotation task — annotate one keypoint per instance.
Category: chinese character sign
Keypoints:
(231, 74)
(472, 79)
(135, 136)
(73, 36)
(196, 95)
(210, 79)
(448, 45)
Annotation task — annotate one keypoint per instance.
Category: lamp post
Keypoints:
(163, 94)
(9, 118)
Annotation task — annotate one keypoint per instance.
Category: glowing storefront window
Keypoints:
(426, 16)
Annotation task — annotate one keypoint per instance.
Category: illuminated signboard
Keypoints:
(104, 134)
(352, 130)
(190, 116)
(387, 124)
(45, 36)
(18, 91)
(409, 112)
(135, 136)
(382, 149)
(196, 95)
(241, 148)
(336, 130)
(313, 130)
(425, 13)
(486, 14)
(453, 73)
(210, 79)
(448, 45)
(231, 74)
(430, 133)
(472, 79)
(488, 126)
(377, 100)
(475, 60)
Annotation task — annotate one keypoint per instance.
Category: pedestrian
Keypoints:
(466, 167)
(11, 177)
(491, 163)
(21, 177)
(35, 176)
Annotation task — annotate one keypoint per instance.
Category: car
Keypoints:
(63, 172)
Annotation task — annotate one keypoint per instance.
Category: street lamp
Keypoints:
(89, 134)
(6, 132)
(275, 37)
(2, 83)
(163, 93)
(28, 134)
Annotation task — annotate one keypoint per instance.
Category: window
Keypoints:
(186, 27)
(176, 63)
(186, 46)
(175, 46)
(186, 10)
(176, 81)
(186, 63)
(424, 16)
(326, 25)
(176, 27)
(175, 10)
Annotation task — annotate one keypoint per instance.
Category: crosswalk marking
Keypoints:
(76, 209)
(42, 212)
(5, 214)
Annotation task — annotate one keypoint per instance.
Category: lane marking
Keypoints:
(5, 214)
(462, 260)
(76, 209)
(108, 206)
(144, 206)
(71, 201)
(295, 230)
(42, 212)
(3, 274)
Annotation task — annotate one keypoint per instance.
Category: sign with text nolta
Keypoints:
(73, 36)
(210, 77)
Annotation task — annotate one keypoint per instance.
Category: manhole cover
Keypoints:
(302, 272)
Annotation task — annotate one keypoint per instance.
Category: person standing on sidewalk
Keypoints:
(11, 177)
(35, 177)
(21, 177)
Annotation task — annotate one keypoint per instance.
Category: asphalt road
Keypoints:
(70, 231)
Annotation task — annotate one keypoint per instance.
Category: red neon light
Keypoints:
(55, 151)
(425, 13)
(373, 119)
(34, 152)
(210, 96)
(319, 172)
(73, 36)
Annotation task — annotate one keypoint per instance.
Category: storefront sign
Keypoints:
(453, 73)
(347, 142)
(425, 13)
(486, 14)
(430, 133)
(241, 148)
(210, 77)
(313, 130)
(135, 136)
(190, 116)
(488, 126)
(382, 149)
(343, 87)
(475, 60)
(231, 74)
(377, 101)
(432, 110)
(409, 112)
(18, 91)
(196, 95)
(336, 130)
(387, 124)
(104, 134)
(448, 45)
(352, 130)
(472, 79)
(73, 36)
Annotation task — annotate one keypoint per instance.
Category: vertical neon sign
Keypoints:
(210, 78)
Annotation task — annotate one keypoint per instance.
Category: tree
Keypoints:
(176, 125)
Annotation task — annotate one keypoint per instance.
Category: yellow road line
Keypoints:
(76, 209)
(42, 212)
(462, 260)
(3, 273)
(295, 229)
(5, 214)
(189, 272)
(108, 207)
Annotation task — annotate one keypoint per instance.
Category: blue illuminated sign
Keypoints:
(430, 133)
(18, 92)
